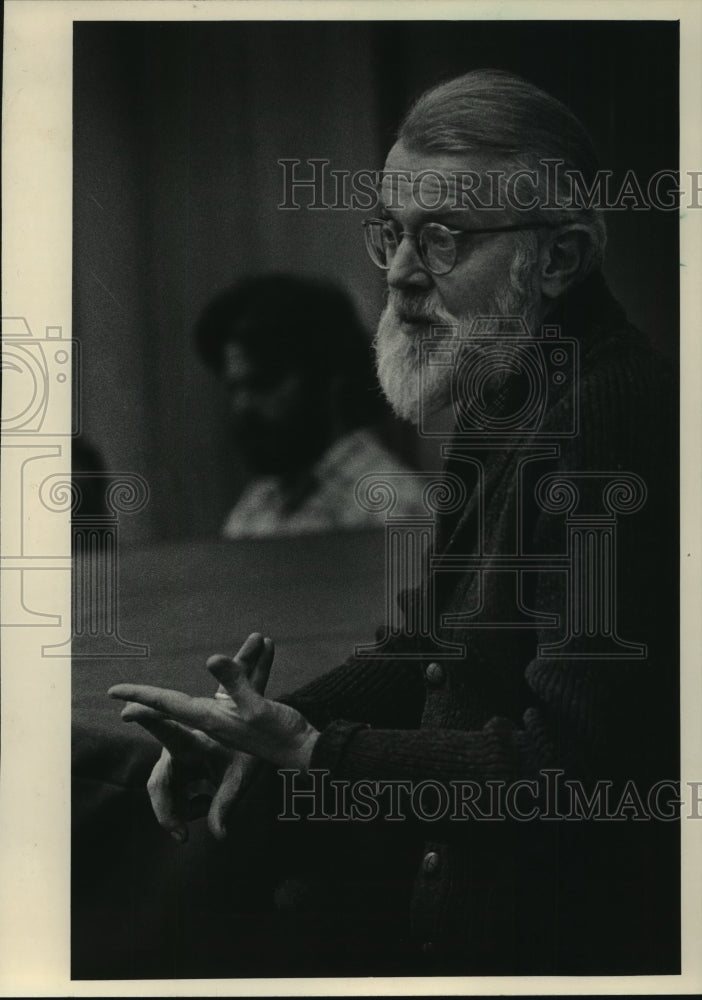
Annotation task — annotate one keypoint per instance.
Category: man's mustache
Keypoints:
(414, 308)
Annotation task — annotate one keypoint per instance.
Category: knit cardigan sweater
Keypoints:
(541, 895)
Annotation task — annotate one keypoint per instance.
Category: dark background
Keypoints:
(178, 128)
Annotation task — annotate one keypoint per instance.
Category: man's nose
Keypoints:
(406, 268)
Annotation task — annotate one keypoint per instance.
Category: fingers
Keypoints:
(177, 739)
(256, 656)
(261, 672)
(162, 700)
(241, 679)
(250, 650)
(233, 678)
(198, 713)
(235, 778)
(159, 787)
(221, 720)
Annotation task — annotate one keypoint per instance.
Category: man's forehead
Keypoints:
(431, 181)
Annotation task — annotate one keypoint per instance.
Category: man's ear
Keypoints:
(562, 260)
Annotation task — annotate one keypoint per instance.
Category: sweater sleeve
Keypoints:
(384, 692)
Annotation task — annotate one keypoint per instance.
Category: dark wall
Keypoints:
(177, 132)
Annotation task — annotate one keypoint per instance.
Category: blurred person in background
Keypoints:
(299, 371)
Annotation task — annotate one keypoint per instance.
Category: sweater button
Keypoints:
(434, 674)
(430, 862)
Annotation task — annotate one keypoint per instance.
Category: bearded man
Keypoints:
(554, 726)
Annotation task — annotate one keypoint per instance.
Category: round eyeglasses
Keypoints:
(437, 245)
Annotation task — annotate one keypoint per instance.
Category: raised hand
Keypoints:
(250, 722)
(196, 774)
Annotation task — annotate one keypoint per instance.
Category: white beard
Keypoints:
(398, 354)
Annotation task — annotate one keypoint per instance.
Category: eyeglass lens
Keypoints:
(436, 245)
